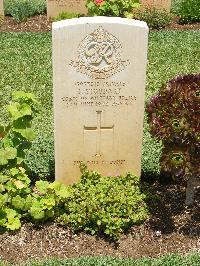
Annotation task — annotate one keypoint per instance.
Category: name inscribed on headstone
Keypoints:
(98, 95)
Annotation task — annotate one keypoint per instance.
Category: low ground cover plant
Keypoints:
(20, 10)
(173, 115)
(108, 205)
(65, 15)
(117, 8)
(96, 204)
(192, 259)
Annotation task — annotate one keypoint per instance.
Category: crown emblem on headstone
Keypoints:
(99, 55)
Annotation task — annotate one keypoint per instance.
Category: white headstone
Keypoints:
(99, 70)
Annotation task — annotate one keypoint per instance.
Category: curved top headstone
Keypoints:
(100, 20)
(99, 70)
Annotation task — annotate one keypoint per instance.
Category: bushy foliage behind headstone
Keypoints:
(155, 19)
(189, 11)
(20, 10)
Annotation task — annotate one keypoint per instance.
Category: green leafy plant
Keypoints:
(108, 205)
(17, 198)
(155, 18)
(95, 204)
(173, 116)
(189, 11)
(48, 200)
(14, 197)
(65, 15)
(119, 8)
(20, 10)
(15, 138)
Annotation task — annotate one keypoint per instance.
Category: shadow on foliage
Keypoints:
(48, 176)
(51, 171)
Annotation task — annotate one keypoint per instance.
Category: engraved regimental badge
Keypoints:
(99, 55)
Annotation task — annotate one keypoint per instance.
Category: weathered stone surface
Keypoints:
(158, 4)
(1, 9)
(55, 7)
(192, 184)
(99, 70)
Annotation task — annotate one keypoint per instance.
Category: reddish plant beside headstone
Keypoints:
(174, 118)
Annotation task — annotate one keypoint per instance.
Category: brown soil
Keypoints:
(41, 24)
(33, 24)
(174, 25)
(172, 227)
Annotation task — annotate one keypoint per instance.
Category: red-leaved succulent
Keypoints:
(174, 118)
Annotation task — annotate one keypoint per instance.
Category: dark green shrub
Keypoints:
(20, 10)
(189, 11)
(65, 15)
(174, 116)
(108, 205)
(154, 18)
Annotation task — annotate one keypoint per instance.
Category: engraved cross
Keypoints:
(98, 129)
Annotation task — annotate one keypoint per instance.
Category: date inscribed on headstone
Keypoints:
(99, 88)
